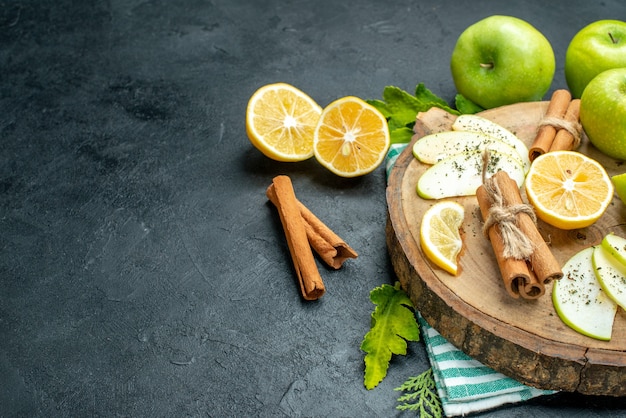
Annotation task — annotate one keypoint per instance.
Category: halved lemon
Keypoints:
(440, 236)
(568, 189)
(351, 138)
(280, 121)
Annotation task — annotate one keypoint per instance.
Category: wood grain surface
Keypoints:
(524, 339)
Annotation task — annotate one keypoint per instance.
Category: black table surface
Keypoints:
(142, 270)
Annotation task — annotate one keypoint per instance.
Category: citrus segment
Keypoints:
(439, 234)
(280, 121)
(568, 189)
(351, 138)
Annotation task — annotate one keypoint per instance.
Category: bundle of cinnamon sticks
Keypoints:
(560, 128)
(525, 260)
(303, 231)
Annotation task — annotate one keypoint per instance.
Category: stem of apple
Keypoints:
(612, 38)
(488, 65)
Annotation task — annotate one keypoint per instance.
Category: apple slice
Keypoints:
(579, 300)
(616, 246)
(611, 275)
(475, 123)
(461, 174)
(435, 147)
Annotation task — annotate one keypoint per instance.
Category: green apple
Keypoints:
(603, 112)
(619, 181)
(502, 60)
(597, 47)
(580, 301)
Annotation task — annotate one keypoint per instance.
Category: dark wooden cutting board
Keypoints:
(524, 339)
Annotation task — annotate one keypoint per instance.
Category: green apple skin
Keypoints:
(502, 60)
(596, 48)
(603, 112)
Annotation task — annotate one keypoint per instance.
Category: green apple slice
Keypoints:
(435, 147)
(616, 246)
(475, 123)
(461, 174)
(611, 275)
(579, 300)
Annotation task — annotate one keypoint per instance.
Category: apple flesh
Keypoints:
(433, 148)
(461, 174)
(502, 60)
(611, 275)
(475, 123)
(580, 301)
(596, 48)
(616, 246)
(603, 112)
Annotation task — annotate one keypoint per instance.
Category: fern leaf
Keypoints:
(421, 396)
(393, 324)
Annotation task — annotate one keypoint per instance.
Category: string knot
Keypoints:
(575, 129)
(516, 244)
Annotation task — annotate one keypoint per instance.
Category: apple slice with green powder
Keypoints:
(461, 174)
(616, 246)
(611, 275)
(580, 301)
(475, 123)
(432, 148)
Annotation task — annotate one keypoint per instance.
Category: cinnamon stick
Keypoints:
(327, 244)
(548, 130)
(542, 261)
(515, 273)
(568, 137)
(311, 284)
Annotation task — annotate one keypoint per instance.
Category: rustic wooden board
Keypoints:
(520, 338)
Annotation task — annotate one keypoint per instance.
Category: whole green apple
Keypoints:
(502, 60)
(597, 47)
(603, 112)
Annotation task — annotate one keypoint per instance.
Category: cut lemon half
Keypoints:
(280, 121)
(439, 234)
(351, 138)
(568, 189)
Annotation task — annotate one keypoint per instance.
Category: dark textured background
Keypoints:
(142, 271)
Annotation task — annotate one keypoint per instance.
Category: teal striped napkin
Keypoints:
(464, 385)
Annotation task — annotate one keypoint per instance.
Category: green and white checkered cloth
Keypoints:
(464, 385)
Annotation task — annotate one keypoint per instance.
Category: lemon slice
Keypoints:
(280, 120)
(568, 189)
(439, 234)
(351, 138)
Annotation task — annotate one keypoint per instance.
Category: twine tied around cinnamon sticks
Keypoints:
(524, 259)
(303, 231)
(560, 129)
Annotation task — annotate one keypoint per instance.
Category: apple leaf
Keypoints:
(393, 324)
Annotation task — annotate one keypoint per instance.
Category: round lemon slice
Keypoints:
(440, 237)
(280, 120)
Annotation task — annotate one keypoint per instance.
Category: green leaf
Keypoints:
(381, 107)
(393, 324)
(402, 105)
(465, 105)
(421, 396)
(401, 135)
(426, 96)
